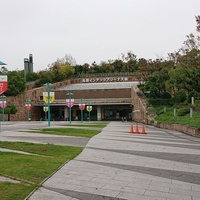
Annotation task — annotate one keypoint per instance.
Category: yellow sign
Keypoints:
(51, 97)
(45, 108)
(89, 108)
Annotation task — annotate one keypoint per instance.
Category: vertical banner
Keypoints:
(2, 104)
(51, 97)
(28, 106)
(69, 103)
(3, 83)
(81, 106)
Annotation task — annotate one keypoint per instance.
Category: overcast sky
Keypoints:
(92, 30)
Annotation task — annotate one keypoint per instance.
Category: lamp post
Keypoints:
(70, 106)
(28, 108)
(45, 109)
(81, 107)
(48, 101)
(3, 105)
(89, 109)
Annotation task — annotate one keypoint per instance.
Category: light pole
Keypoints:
(48, 102)
(45, 109)
(70, 105)
(89, 109)
(28, 108)
(3, 105)
(81, 107)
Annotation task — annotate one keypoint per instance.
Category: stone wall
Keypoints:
(180, 127)
(140, 105)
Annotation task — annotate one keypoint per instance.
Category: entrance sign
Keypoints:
(3, 83)
(69, 103)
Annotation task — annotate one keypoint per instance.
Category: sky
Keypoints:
(92, 30)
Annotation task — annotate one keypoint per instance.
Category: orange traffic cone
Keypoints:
(136, 129)
(143, 130)
(131, 129)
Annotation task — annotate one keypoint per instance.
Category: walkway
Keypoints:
(161, 165)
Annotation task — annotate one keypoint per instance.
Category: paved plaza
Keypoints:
(118, 165)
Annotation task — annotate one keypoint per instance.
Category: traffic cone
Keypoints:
(131, 129)
(143, 130)
(136, 129)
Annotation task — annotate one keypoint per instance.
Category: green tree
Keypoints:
(10, 109)
(45, 77)
(31, 76)
(16, 83)
(181, 79)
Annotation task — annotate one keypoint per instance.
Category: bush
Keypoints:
(180, 97)
(183, 111)
(161, 102)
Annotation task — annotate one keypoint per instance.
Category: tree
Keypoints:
(181, 79)
(45, 77)
(31, 76)
(10, 109)
(16, 83)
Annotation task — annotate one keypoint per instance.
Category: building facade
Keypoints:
(109, 98)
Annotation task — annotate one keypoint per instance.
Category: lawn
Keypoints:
(168, 117)
(31, 170)
(67, 131)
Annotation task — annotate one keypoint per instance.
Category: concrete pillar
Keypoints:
(98, 113)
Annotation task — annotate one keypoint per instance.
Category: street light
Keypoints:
(70, 105)
(89, 109)
(81, 107)
(28, 108)
(45, 109)
(48, 102)
(3, 105)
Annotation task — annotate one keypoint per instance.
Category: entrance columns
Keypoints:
(98, 113)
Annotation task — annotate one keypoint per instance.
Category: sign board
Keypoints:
(81, 106)
(89, 108)
(3, 83)
(69, 103)
(2, 104)
(51, 97)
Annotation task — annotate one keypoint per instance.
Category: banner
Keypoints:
(2, 104)
(51, 97)
(28, 106)
(89, 108)
(3, 83)
(45, 108)
(81, 106)
(69, 103)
